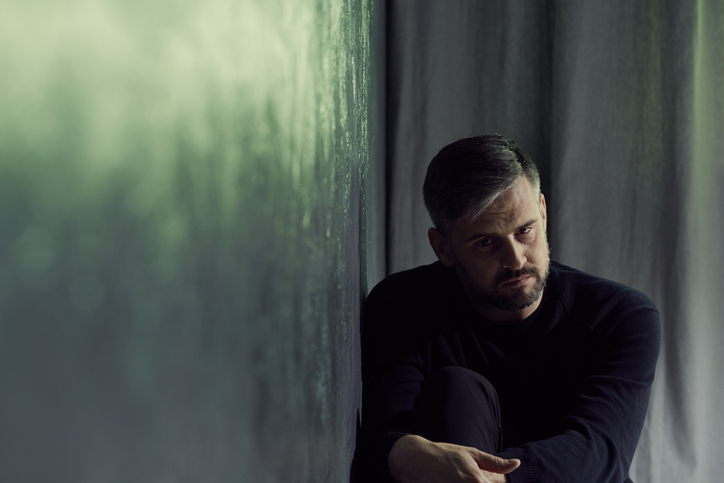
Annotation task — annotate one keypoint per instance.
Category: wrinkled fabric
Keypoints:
(621, 105)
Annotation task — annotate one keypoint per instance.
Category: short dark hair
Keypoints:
(467, 176)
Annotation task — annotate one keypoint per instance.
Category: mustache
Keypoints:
(508, 274)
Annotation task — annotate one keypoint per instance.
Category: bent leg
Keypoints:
(457, 405)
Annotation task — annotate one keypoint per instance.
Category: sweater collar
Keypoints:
(534, 323)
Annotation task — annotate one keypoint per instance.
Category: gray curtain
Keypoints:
(621, 104)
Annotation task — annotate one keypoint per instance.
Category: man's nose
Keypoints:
(513, 256)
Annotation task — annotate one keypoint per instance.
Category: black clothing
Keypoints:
(573, 379)
(459, 406)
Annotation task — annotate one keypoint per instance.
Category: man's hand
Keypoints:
(414, 459)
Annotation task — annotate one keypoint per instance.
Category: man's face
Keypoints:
(502, 257)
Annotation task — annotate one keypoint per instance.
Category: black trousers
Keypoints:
(457, 405)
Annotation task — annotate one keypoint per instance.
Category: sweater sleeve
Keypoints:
(596, 439)
(391, 379)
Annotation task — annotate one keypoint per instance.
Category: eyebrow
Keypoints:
(476, 235)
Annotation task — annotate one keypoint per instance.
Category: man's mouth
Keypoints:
(514, 282)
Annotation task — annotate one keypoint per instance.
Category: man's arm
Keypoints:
(391, 379)
(597, 438)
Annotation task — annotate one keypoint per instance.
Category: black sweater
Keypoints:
(573, 379)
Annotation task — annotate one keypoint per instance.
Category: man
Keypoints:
(495, 364)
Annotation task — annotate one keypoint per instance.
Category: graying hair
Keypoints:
(467, 176)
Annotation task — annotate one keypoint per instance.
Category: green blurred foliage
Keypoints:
(180, 201)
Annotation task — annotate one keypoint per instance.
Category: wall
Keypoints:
(184, 238)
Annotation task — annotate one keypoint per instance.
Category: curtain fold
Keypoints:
(621, 105)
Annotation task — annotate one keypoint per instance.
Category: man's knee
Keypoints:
(457, 405)
(456, 380)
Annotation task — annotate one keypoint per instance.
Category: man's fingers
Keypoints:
(494, 464)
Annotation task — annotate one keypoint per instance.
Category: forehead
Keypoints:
(512, 207)
(517, 199)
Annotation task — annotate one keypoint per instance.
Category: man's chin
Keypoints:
(506, 297)
(520, 299)
(513, 304)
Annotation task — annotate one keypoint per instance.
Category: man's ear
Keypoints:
(542, 208)
(439, 243)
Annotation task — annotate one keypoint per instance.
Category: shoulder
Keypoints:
(575, 283)
(602, 301)
(414, 283)
(423, 288)
(418, 296)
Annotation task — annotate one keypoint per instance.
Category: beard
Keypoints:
(521, 297)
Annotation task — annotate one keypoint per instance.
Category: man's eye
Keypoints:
(485, 242)
(526, 230)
